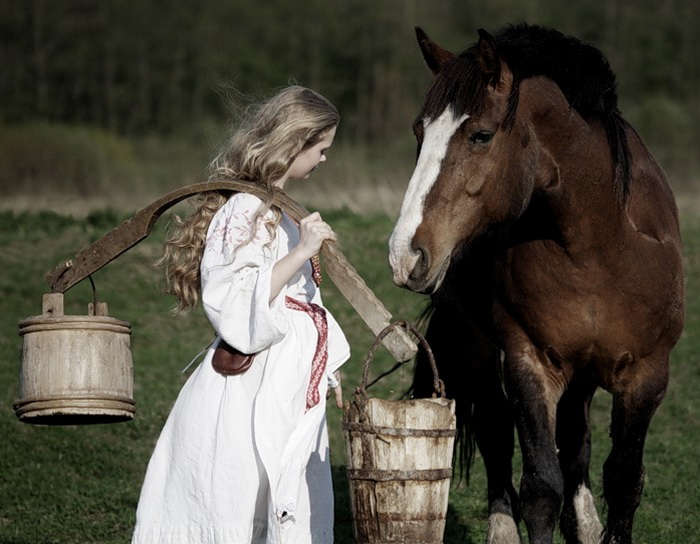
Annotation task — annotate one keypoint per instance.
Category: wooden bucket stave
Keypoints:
(75, 369)
(399, 456)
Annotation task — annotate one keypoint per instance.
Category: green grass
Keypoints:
(80, 484)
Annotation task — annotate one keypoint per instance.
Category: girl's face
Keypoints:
(308, 160)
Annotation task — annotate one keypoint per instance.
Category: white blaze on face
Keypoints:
(437, 135)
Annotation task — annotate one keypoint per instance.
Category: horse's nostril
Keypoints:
(422, 264)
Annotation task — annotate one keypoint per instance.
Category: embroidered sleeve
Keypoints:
(232, 229)
(236, 273)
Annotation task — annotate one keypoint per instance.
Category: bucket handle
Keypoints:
(438, 384)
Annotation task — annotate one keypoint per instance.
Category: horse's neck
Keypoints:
(583, 204)
(585, 207)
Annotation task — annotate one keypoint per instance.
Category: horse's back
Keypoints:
(651, 207)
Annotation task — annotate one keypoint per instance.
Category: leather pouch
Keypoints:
(228, 361)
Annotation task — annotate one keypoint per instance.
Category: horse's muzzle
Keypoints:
(413, 271)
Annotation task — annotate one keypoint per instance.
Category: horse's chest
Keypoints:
(557, 302)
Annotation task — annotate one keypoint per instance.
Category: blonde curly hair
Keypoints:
(261, 149)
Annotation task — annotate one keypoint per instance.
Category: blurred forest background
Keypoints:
(117, 101)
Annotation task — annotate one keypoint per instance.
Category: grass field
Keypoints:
(80, 484)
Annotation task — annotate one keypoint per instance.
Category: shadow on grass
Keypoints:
(456, 531)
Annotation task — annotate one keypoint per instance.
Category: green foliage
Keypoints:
(43, 161)
(160, 67)
(109, 65)
(79, 485)
(57, 158)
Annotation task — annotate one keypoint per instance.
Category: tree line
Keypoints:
(161, 66)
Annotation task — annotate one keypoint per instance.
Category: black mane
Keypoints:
(580, 70)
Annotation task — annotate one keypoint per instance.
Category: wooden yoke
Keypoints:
(138, 227)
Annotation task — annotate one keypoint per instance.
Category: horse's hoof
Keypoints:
(502, 530)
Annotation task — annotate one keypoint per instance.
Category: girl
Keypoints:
(244, 458)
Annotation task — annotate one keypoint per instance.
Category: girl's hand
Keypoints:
(337, 390)
(314, 231)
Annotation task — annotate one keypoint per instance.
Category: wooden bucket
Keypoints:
(399, 462)
(75, 369)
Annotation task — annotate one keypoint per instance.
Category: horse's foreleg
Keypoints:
(494, 434)
(533, 394)
(579, 520)
(640, 387)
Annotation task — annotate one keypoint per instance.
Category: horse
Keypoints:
(547, 238)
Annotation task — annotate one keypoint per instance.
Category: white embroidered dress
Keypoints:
(241, 459)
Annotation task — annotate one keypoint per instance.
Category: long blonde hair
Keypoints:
(261, 149)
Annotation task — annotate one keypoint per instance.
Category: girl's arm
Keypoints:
(236, 275)
(313, 232)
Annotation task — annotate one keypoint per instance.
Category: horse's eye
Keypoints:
(481, 137)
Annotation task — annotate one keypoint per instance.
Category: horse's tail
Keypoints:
(441, 327)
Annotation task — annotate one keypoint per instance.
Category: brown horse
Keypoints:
(547, 236)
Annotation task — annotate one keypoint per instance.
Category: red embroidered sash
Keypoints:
(320, 360)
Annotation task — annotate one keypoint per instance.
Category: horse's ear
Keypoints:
(488, 58)
(495, 69)
(434, 55)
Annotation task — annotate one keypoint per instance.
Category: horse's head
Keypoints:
(475, 166)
